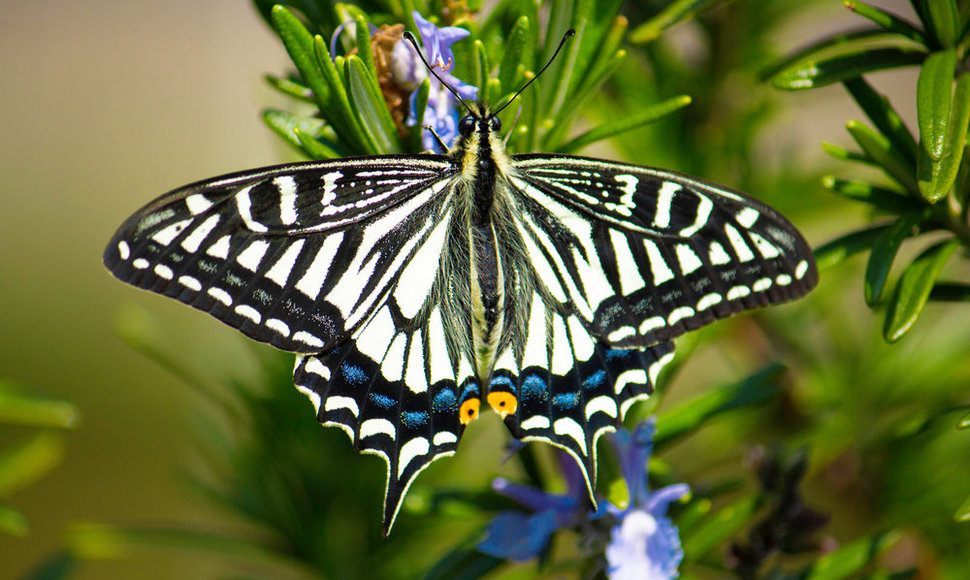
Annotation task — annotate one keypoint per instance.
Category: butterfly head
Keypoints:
(479, 119)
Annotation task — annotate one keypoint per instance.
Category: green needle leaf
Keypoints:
(29, 460)
(883, 116)
(719, 526)
(913, 289)
(21, 408)
(370, 107)
(299, 45)
(879, 197)
(933, 95)
(884, 251)
(880, 150)
(936, 178)
(677, 11)
(890, 22)
(943, 18)
(844, 41)
(520, 44)
(643, 117)
(816, 73)
(680, 421)
(849, 559)
(839, 249)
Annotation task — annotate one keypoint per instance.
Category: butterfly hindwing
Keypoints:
(565, 387)
(397, 391)
(297, 255)
(645, 255)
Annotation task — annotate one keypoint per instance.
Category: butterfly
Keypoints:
(414, 287)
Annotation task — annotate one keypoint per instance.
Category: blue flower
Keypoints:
(644, 545)
(519, 536)
(441, 113)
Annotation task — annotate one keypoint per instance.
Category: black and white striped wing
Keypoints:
(336, 260)
(297, 256)
(644, 255)
(621, 260)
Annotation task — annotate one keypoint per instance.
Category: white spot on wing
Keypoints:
(651, 324)
(583, 345)
(253, 255)
(278, 325)
(783, 280)
(197, 203)
(192, 241)
(629, 377)
(765, 248)
(418, 276)
(314, 366)
(414, 376)
(717, 255)
(704, 208)
(249, 312)
(536, 422)
(329, 187)
(393, 366)
(535, 344)
(410, 450)
(630, 279)
(220, 249)
(307, 339)
(287, 188)
(708, 301)
(679, 314)
(665, 197)
(312, 280)
(377, 334)
(123, 250)
(164, 271)
(601, 404)
(761, 284)
(165, 235)
(747, 216)
(661, 271)
(373, 427)
(569, 427)
(444, 438)
(244, 207)
(439, 363)
(220, 295)
(621, 333)
(562, 352)
(688, 260)
(336, 403)
(190, 283)
(312, 395)
(738, 292)
(280, 272)
(737, 242)
(801, 269)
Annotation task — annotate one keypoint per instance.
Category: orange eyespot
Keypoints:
(469, 411)
(504, 403)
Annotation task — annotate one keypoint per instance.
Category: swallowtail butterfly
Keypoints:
(413, 287)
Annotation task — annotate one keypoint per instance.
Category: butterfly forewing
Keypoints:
(296, 256)
(644, 255)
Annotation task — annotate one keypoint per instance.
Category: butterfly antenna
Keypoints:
(410, 38)
(569, 34)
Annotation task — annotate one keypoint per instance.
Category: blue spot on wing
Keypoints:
(565, 401)
(503, 381)
(617, 353)
(533, 387)
(353, 374)
(382, 401)
(595, 380)
(444, 401)
(414, 419)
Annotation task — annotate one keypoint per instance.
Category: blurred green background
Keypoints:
(107, 104)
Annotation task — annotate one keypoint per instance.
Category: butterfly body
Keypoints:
(413, 288)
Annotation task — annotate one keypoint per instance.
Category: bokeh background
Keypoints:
(105, 104)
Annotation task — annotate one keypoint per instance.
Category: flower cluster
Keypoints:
(643, 543)
(441, 114)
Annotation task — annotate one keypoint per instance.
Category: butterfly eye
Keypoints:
(466, 126)
(495, 124)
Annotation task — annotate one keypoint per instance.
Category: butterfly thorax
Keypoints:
(480, 153)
